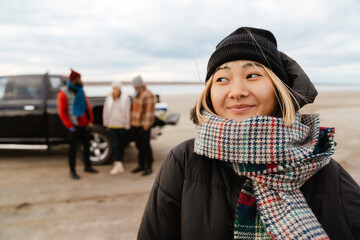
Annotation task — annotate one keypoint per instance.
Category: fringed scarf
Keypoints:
(277, 160)
(79, 105)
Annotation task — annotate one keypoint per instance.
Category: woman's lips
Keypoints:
(242, 108)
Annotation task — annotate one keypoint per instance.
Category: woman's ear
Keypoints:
(302, 88)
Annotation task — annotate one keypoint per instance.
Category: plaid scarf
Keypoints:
(277, 160)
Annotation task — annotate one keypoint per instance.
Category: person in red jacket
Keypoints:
(76, 114)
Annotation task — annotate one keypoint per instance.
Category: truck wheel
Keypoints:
(100, 145)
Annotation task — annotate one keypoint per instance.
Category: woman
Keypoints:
(257, 169)
(116, 117)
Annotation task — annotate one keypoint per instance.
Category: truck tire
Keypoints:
(100, 145)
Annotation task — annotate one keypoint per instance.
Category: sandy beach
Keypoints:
(342, 111)
(38, 200)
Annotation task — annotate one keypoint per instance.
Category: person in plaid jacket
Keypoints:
(142, 118)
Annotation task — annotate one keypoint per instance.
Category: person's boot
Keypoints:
(90, 170)
(147, 171)
(138, 169)
(74, 176)
(118, 168)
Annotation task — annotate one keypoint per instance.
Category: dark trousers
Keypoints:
(142, 140)
(118, 136)
(82, 135)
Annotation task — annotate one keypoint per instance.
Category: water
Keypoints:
(337, 87)
(166, 89)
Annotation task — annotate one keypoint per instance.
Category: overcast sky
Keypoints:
(170, 40)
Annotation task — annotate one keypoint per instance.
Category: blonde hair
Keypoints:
(282, 92)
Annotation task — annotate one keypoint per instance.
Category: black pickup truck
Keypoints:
(29, 117)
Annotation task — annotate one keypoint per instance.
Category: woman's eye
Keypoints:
(221, 80)
(253, 75)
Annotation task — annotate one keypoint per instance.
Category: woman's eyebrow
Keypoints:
(222, 68)
(251, 65)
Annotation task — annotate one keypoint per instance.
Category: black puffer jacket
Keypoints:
(195, 197)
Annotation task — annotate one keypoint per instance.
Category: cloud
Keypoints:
(164, 39)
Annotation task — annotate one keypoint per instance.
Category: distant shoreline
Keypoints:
(107, 83)
(199, 85)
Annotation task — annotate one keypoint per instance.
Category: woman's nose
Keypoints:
(238, 89)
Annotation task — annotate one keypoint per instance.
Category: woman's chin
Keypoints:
(240, 117)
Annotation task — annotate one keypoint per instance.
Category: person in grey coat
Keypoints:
(116, 118)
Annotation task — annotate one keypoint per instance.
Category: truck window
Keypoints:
(28, 88)
(3, 82)
(55, 84)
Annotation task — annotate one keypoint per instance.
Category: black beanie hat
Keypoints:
(248, 43)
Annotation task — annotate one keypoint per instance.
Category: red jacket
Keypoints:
(62, 106)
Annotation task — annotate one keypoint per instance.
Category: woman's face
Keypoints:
(116, 92)
(240, 91)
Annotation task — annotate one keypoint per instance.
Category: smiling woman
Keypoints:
(257, 168)
(241, 91)
(250, 76)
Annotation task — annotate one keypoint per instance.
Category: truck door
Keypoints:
(23, 112)
(57, 132)
(3, 90)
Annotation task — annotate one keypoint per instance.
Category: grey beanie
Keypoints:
(116, 84)
(248, 43)
(138, 82)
